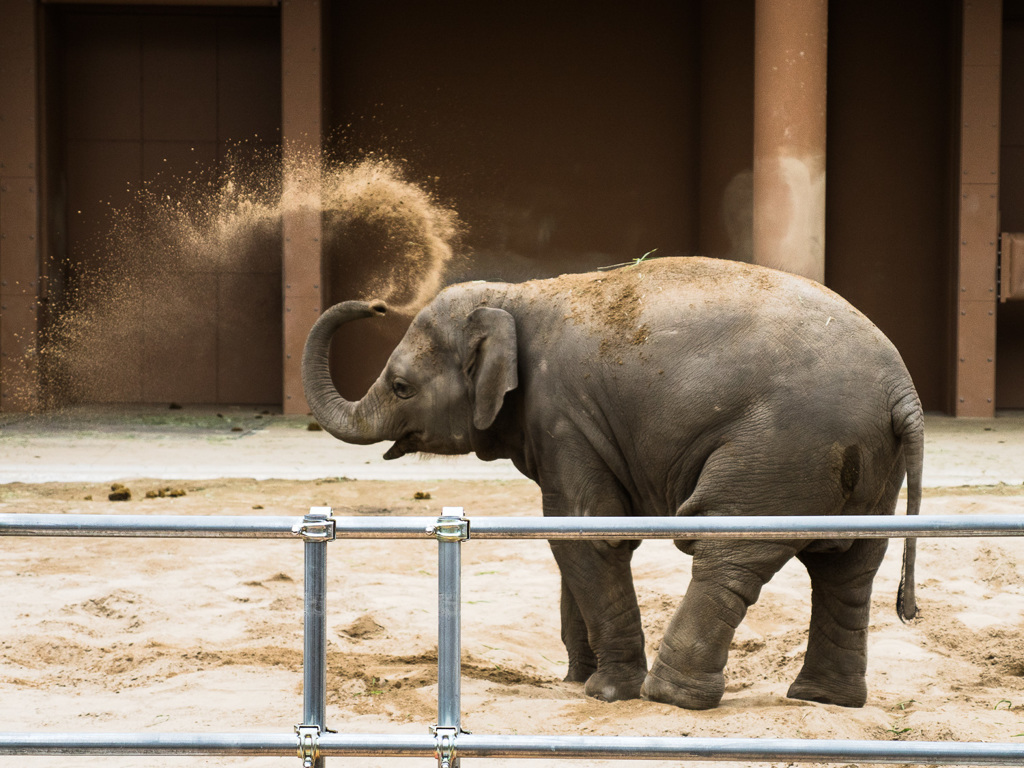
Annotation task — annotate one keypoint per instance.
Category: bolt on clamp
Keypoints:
(451, 526)
(309, 744)
(318, 525)
(444, 745)
(450, 529)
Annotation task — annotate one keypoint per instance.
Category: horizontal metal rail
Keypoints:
(319, 527)
(480, 746)
(777, 527)
(147, 526)
(719, 749)
(774, 527)
(209, 744)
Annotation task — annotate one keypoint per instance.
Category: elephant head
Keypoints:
(443, 385)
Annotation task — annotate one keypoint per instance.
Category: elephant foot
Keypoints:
(579, 672)
(615, 684)
(841, 690)
(667, 686)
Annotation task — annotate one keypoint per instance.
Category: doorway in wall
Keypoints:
(148, 111)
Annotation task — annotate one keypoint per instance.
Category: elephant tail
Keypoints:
(908, 425)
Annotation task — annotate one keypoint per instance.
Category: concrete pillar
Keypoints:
(790, 67)
(979, 208)
(20, 180)
(302, 111)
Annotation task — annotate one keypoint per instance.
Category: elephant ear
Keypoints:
(491, 362)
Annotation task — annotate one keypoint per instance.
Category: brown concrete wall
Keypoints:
(145, 98)
(566, 134)
(1010, 315)
(726, 129)
(20, 181)
(890, 217)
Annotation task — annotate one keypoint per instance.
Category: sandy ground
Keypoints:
(200, 635)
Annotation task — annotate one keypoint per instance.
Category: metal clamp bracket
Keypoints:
(444, 745)
(318, 525)
(451, 526)
(309, 744)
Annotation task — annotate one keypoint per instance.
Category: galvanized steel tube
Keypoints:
(776, 527)
(449, 631)
(43, 743)
(314, 638)
(790, 750)
(474, 745)
(156, 526)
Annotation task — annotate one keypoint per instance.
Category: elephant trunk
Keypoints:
(351, 422)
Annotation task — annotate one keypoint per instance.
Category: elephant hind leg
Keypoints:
(727, 579)
(836, 660)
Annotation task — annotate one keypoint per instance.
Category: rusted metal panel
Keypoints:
(982, 32)
(979, 160)
(19, 18)
(111, 364)
(976, 352)
(302, 32)
(179, 86)
(18, 93)
(184, 3)
(19, 324)
(249, 76)
(1011, 275)
(302, 235)
(18, 139)
(101, 175)
(1010, 349)
(302, 95)
(978, 242)
(299, 315)
(1011, 185)
(101, 57)
(249, 343)
(302, 129)
(176, 339)
(790, 81)
(19, 237)
(19, 191)
(180, 359)
(979, 209)
(726, 128)
(165, 164)
(1012, 105)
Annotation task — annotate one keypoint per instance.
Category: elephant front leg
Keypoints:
(582, 661)
(599, 581)
(727, 579)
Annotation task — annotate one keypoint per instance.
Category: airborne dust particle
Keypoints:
(141, 292)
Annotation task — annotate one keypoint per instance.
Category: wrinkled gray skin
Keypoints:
(672, 387)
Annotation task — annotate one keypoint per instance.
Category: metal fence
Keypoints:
(446, 741)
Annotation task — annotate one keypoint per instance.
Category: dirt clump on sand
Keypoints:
(119, 492)
(184, 635)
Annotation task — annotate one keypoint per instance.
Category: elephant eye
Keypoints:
(403, 389)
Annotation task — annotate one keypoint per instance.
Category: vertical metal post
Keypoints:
(317, 529)
(452, 529)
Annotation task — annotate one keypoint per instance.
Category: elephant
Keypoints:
(672, 386)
